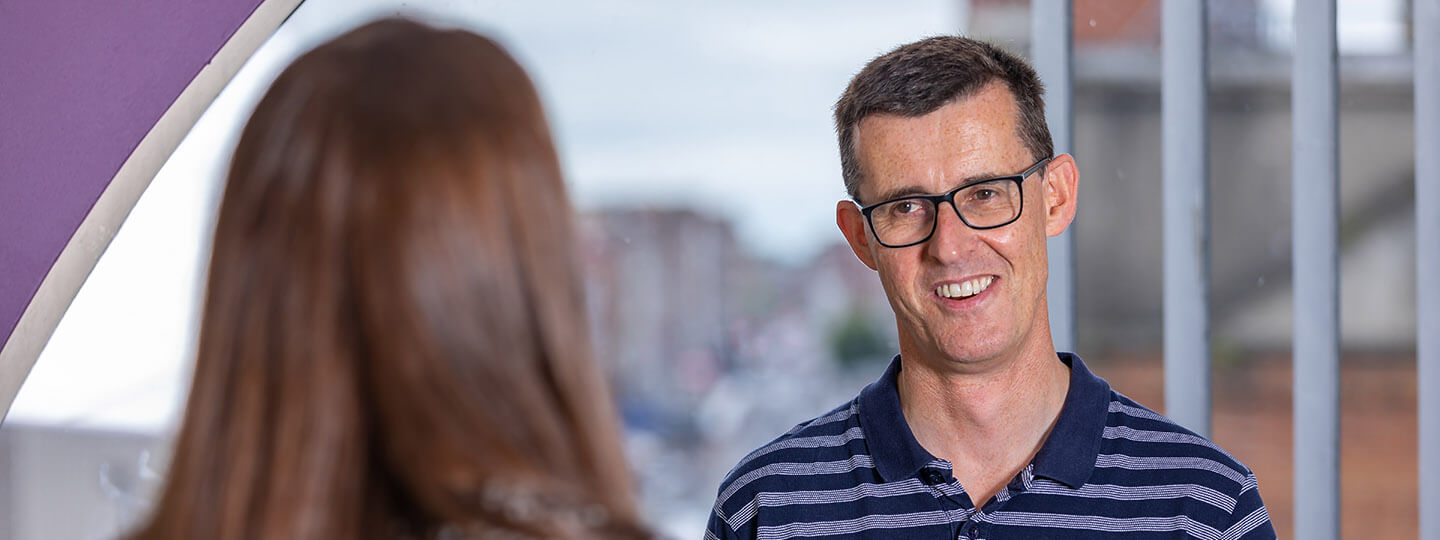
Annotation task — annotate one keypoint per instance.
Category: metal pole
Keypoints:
(1315, 217)
(1427, 256)
(1052, 52)
(1187, 215)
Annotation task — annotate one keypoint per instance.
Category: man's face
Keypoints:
(962, 142)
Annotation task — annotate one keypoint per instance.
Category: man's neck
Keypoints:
(987, 422)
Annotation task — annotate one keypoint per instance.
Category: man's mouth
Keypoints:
(965, 289)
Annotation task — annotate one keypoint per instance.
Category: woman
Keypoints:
(393, 343)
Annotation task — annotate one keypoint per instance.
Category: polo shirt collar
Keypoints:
(1067, 456)
(896, 453)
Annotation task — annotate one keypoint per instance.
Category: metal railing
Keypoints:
(1052, 33)
(1315, 220)
(1186, 154)
(1315, 229)
(1425, 21)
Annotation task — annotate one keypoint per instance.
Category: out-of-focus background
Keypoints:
(699, 148)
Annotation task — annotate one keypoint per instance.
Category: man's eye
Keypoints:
(907, 207)
(983, 194)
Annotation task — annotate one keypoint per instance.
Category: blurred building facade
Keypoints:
(676, 303)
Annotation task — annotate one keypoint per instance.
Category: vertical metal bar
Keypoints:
(1427, 254)
(1315, 218)
(1187, 215)
(1052, 52)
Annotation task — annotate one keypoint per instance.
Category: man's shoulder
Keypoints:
(1138, 439)
(813, 455)
(825, 438)
(1155, 460)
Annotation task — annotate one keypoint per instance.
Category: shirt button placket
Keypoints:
(972, 528)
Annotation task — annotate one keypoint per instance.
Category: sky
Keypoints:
(719, 106)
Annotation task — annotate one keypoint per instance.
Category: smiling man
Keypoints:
(979, 429)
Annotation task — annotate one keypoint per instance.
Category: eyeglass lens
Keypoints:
(981, 205)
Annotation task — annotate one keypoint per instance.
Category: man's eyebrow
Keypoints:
(897, 193)
(911, 190)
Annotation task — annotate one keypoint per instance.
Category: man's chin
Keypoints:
(973, 357)
(970, 352)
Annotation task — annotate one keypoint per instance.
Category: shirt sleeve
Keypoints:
(1250, 520)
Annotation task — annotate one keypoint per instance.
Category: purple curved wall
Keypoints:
(81, 83)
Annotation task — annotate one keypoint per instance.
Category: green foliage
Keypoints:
(856, 340)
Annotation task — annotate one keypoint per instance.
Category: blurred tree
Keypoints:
(855, 340)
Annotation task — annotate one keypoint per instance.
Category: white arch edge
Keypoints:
(95, 232)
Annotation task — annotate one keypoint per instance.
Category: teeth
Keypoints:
(964, 289)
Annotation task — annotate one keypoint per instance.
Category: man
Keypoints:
(978, 429)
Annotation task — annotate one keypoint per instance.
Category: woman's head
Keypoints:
(393, 337)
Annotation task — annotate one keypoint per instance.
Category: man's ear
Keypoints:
(852, 225)
(1061, 187)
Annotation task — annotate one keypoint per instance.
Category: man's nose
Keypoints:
(948, 244)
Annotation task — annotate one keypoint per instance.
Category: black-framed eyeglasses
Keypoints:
(986, 204)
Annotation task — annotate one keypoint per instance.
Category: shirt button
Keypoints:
(933, 476)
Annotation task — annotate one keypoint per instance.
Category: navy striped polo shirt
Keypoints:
(1110, 468)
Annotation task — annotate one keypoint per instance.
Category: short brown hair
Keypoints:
(918, 78)
(393, 342)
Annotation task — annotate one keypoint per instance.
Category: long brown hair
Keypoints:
(393, 341)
